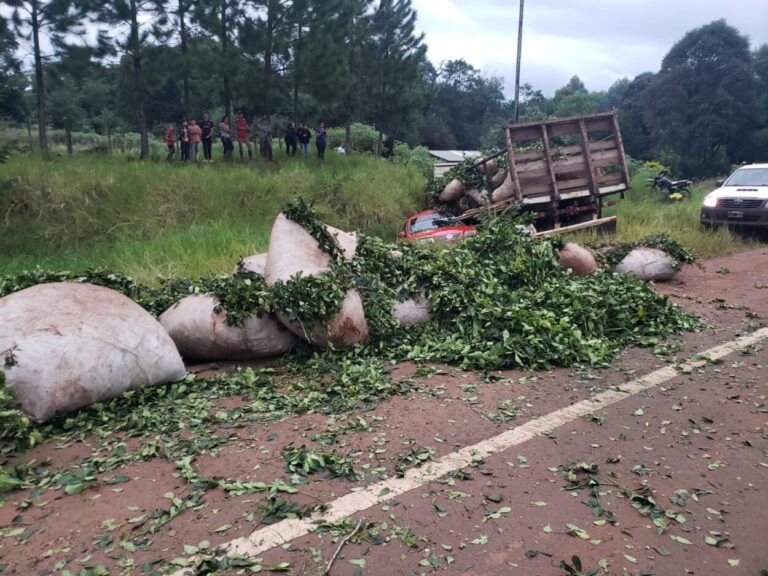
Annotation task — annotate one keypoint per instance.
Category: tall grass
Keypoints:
(643, 212)
(158, 218)
(150, 218)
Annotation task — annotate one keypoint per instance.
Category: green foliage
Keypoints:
(309, 299)
(396, 57)
(10, 480)
(655, 166)
(275, 508)
(414, 458)
(714, 63)
(499, 299)
(465, 106)
(417, 157)
(158, 219)
(574, 98)
(13, 81)
(364, 137)
(303, 461)
(298, 211)
(17, 433)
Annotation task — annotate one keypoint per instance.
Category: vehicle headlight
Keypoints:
(451, 236)
(710, 201)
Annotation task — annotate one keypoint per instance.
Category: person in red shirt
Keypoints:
(170, 140)
(195, 136)
(243, 135)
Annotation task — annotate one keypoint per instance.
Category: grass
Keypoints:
(644, 212)
(150, 219)
(154, 218)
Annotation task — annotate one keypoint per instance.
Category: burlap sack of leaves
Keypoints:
(649, 264)
(412, 312)
(505, 191)
(453, 191)
(577, 259)
(256, 263)
(293, 256)
(201, 332)
(76, 344)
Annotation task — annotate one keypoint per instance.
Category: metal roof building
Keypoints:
(453, 155)
(447, 159)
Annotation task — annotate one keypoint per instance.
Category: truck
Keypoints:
(563, 170)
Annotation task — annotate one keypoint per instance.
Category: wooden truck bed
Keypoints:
(563, 168)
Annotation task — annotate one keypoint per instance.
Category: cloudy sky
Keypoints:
(599, 40)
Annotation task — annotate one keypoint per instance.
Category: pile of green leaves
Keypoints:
(498, 300)
(611, 254)
(17, 433)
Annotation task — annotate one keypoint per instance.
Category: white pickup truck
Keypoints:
(741, 200)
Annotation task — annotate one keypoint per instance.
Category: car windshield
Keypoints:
(748, 177)
(431, 221)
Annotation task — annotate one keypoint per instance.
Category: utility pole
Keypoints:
(517, 71)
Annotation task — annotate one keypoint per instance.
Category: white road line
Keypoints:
(284, 531)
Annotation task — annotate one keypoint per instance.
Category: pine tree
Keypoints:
(13, 81)
(335, 62)
(32, 19)
(397, 59)
(130, 13)
(298, 18)
(267, 34)
(221, 19)
(174, 22)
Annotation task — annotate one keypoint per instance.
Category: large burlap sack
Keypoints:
(480, 196)
(452, 192)
(292, 250)
(504, 192)
(76, 344)
(412, 311)
(577, 259)
(489, 168)
(201, 333)
(256, 264)
(499, 177)
(649, 264)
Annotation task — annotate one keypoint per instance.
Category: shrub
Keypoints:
(364, 137)
(417, 157)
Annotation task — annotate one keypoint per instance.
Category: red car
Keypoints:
(431, 225)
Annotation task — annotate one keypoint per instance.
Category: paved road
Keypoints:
(668, 476)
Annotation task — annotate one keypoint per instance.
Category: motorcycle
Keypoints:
(672, 189)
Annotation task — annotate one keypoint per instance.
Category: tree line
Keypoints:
(155, 61)
(345, 61)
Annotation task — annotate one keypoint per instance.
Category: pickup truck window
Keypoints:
(748, 177)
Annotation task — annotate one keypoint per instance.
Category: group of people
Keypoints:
(189, 134)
